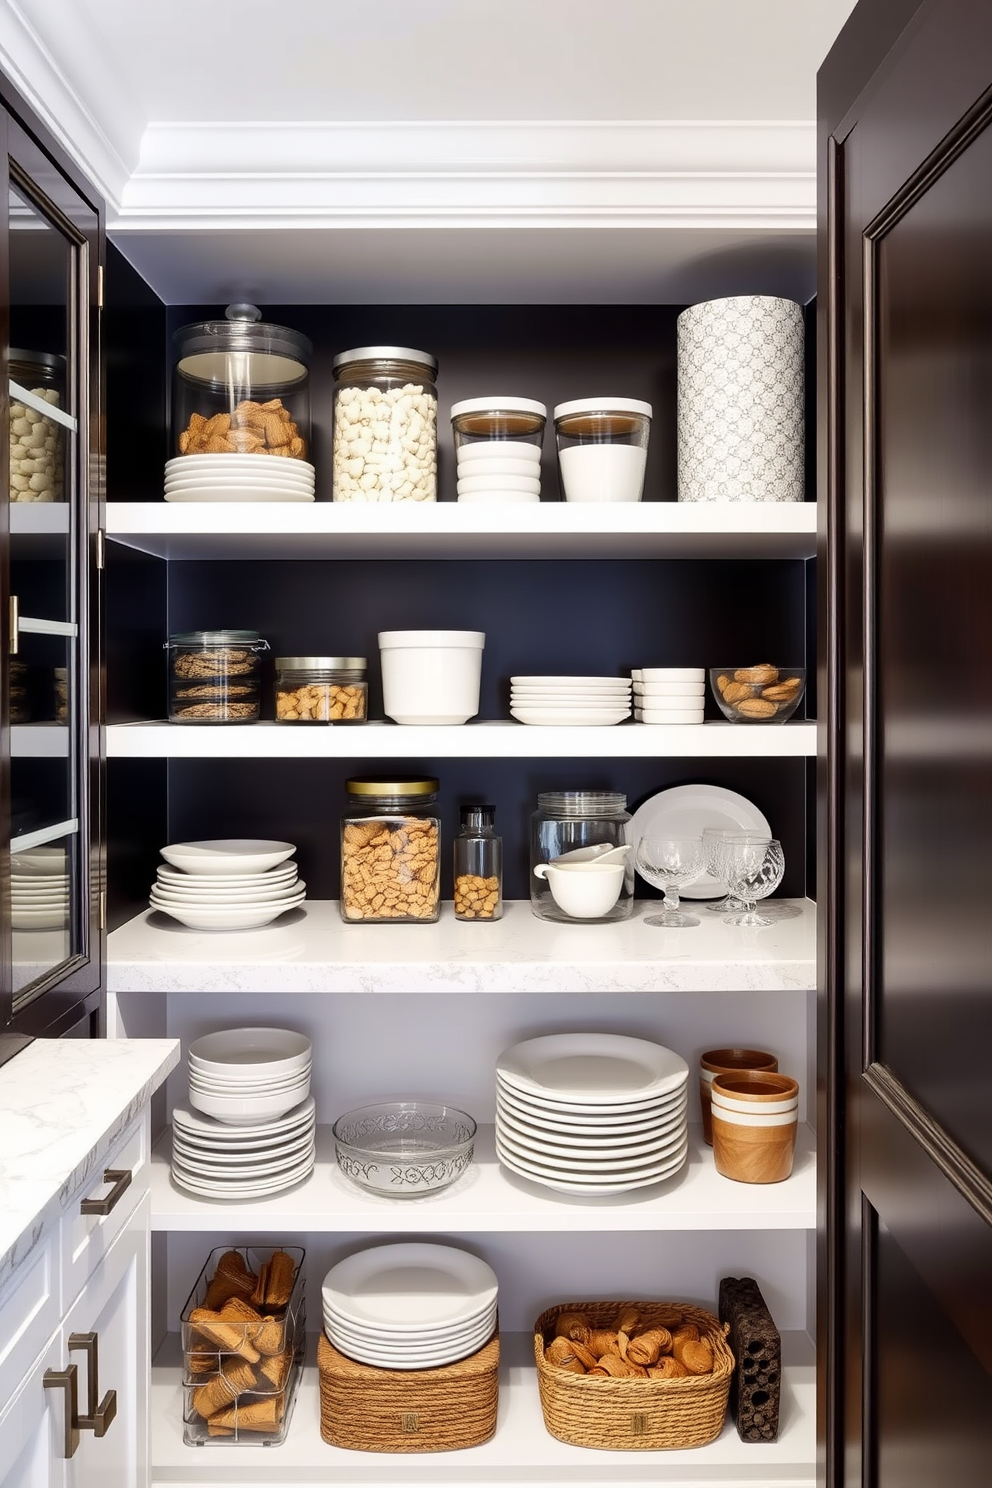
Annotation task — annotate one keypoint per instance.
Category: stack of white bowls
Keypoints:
(410, 1306)
(228, 883)
(498, 471)
(591, 1113)
(569, 700)
(250, 1125)
(669, 694)
(39, 889)
(238, 478)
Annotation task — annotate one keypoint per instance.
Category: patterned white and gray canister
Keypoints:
(740, 400)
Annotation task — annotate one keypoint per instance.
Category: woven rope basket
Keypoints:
(635, 1415)
(407, 1410)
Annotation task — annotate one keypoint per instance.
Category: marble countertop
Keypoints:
(63, 1104)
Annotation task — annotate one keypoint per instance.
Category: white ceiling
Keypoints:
(611, 167)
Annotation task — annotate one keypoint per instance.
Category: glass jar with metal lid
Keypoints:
(390, 851)
(215, 676)
(321, 689)
(37, 442)
(584, 824)
(602, 448)
(498, 448)
(241, 387)
(385, 425)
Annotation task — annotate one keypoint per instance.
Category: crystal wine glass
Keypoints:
(751, 871)
(670, 863)
(713, 839)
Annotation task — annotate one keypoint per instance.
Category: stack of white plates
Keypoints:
(669, 694)
(230, 883)
(498, 470)
(39, 889)
(238, 478)
(410, 1306)
(246, 1161)
(569, 700)
(591, 1113)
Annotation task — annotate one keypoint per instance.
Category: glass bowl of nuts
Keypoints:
(404, 1148)
(758, 694)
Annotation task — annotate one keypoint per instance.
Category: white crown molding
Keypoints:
(727, 174)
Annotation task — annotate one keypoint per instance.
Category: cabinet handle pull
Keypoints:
(121, 1179)
(98, 1418)
(15, 625)
(65, 1379)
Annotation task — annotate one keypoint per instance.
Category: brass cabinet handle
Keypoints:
(121, 1179)
(65, 1379)
(15, 625)
(98, 1418)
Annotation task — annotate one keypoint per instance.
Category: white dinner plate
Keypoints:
(218, 899)
(415, 1360)
(616, 1161)
(592, 1069)
(179, 878)
(594, 1171)
(234, 917)
(562, 719)
(203, 1126)
(594, 1190)
(606, 1118)
(592, 1142)
(261, 1170)
(54, 917)
(239, 493)
(571, 683)
(592, 697)
(208, 1190)
(409, 1285)
(256, 471)
(175, 488)
(194, 1151)
(426, 1339)
(233, 461)
(684, 811)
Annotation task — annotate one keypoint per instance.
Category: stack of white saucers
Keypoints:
(410, 1306)
(498, 470)
(570, 700)
(229, 883)
(591, 1113)
(250, 1125)
(39, 889)
(669, 694)
(238, 478)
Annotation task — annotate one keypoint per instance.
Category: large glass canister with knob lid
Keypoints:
(241, 387)
(569, 821)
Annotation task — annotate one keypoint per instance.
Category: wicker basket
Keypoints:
(634, 1415)
(407, 1410)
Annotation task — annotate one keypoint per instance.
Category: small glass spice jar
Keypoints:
(567, 821)
(215, 676)
(390, 851)
(478, 854)
(385, 425)
(321, 689)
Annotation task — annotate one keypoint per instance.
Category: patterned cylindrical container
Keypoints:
(740, 400)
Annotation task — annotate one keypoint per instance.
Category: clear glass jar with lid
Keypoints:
(498, 448)
(567, 822)
(390, 851)
(321, 689)
(215, 676)
(385, 425)
(241, 387)
(37, 442)
(602, 448)
(478, 866)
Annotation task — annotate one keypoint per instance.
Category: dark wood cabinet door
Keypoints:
(906, 160)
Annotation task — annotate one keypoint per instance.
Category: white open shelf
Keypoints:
(499, 739)
(522, 1452)
(448, 529)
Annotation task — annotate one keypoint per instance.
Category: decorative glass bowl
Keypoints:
(758, 694)
(404, 1148)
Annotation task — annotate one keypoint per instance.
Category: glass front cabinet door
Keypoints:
(51, 881)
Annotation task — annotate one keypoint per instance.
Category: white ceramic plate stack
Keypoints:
(498, 471)
(238, 478)
(591, 1113)
(250, 1125)
(410, 1306)
(229, 883)
(669, 694)
(39, 889)
(570, 700)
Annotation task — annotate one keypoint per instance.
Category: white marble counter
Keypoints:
(63, 1104)
(311, 950)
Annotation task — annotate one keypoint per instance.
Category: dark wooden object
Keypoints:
(756, 1344)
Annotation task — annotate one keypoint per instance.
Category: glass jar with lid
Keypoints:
(478, 866)
(602, 448)
(215, 676)
(574, 822)
(321, 689)
(241, 387)
(498, 448)
(390, 851)
(37, 441)
(385, 425)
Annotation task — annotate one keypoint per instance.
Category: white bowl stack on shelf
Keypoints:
(669, 694)
(227, 883)
(238, 478)
(591, 1113)
(410, 1305)
(250, 1126)
(496, 471)
(39, 889)
(569, 700)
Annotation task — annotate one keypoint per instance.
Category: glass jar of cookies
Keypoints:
(390, 851)
(215, 676)
(321, 689)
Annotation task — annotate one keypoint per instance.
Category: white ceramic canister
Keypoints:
(602, 448)
(431, 676)
(741, 399)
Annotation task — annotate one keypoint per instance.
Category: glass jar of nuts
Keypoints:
(215, 676)
(321, 689)
(390, 858)
(478, 876)
(385, 425)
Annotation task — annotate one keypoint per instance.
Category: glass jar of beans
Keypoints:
(390, 838)
(215, 676)
(385, 425)
(321, 689)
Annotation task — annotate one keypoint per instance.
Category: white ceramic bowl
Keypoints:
(670, 689)
(586, 891)
(470, 485)
(431, 676)
(247, 1110)
(498, 498)
(228, 855)
(251, 1052)
(234, 917)
(498, 449)
(669, 715)
(670, 674)
(498, 465)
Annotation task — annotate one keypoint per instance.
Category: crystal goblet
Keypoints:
(751, 871)
(670, 863)
(713, 838)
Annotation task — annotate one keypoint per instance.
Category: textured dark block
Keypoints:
(755, 1342)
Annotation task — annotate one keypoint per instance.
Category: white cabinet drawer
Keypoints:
(86, 1238)
(29, 1315)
